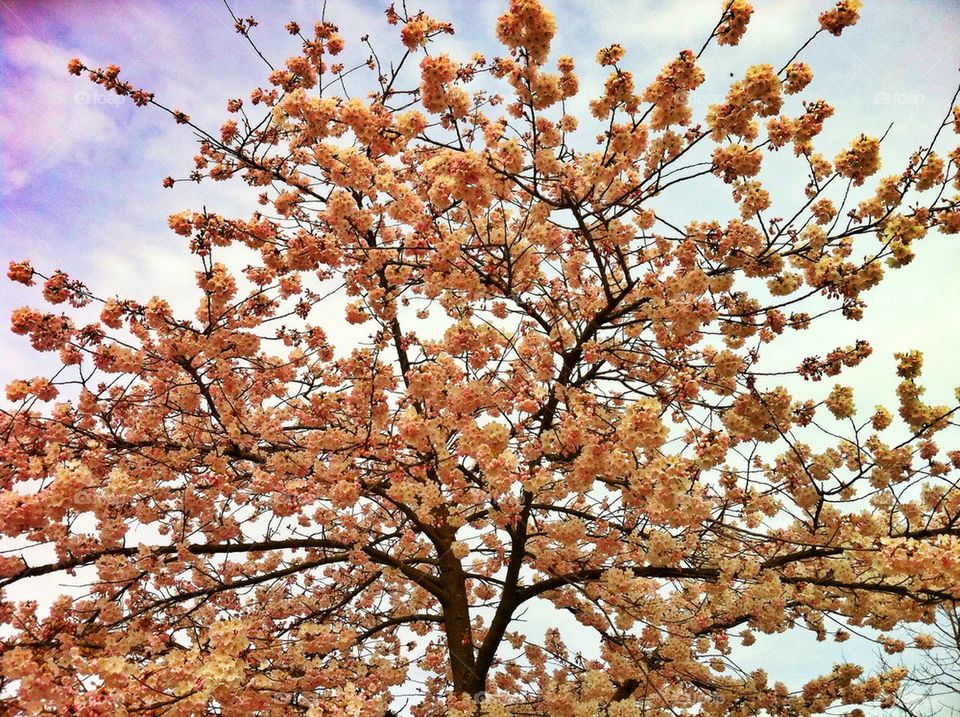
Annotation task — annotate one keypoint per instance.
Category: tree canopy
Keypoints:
(558, 402)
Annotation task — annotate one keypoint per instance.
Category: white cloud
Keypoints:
(48, 119)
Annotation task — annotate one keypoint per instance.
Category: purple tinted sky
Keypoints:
(80, 170)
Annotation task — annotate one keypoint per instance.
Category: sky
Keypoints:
(81, 170)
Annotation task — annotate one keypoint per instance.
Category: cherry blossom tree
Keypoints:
(559, 403)
(934, 682)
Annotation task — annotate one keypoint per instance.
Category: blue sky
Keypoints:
(81, 171)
